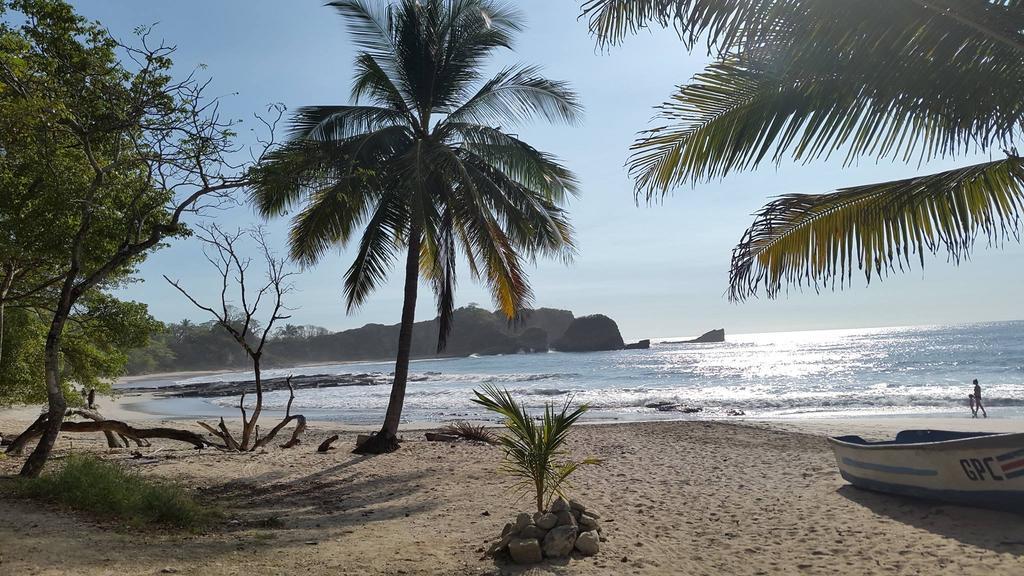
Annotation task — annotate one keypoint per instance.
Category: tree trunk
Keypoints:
(3, 309)
(248, 426)
(387, 439)
(5, 288)
(54, 394)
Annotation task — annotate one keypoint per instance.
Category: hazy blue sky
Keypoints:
(658, 270)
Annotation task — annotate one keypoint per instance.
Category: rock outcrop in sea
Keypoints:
(707, 337)
(590, 334)
(641, 345)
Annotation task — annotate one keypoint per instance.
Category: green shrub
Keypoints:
(534, 451)
(88, 484)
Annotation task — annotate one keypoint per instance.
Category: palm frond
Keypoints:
(738, 113)
(287, 174)
(518, 94)
(468, 431)
(534, 452)
(337, 123)
(818, 240)
(373, 82)
(371, 24)
(730, 25)
(536, 170)
(378, 249)
(329, 218)
(437, 264)
(532, 221)
(467, 32)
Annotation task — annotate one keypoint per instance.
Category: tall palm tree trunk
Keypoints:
(387, 439)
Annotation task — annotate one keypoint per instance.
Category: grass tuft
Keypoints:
(89, 484)
(468, 431)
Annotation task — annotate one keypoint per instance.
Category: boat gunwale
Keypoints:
(951, 444)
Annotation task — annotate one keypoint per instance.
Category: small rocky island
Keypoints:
(708, 337)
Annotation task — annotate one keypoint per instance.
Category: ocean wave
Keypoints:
(496, 378)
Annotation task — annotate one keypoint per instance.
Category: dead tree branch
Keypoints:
(238, 316)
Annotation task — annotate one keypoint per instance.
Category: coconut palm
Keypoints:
(422, 163)
(906, 80)
(535, 449)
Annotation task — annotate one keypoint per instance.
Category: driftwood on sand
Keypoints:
(326, 444)
(97, 423)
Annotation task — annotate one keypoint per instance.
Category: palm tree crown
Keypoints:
(908, 80)
(418, 161)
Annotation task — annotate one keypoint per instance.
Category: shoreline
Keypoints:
(139, 407)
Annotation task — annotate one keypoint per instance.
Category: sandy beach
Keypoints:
(675, 498)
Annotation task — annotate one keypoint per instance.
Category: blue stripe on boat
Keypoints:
(1010, 455)
(1015, 474)
(890, 469)
(1007, 500)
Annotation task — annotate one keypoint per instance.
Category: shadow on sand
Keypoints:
(990, 529)
(336, 497)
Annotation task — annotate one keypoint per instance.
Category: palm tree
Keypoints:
(419, 164)
(906, 80)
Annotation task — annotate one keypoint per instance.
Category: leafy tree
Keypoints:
(99, 333)
(111, 151)
(907, 80)
(417, 163)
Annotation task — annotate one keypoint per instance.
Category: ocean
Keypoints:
(902, 371)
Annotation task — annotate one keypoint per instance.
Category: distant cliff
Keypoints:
(475, 331)
(187, 346)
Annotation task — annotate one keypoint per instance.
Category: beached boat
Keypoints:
(972, 468)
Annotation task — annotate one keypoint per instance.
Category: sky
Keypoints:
(659, 270)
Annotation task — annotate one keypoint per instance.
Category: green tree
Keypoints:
(417, 163)
(907, 80)
(112, 150)
(94, 349)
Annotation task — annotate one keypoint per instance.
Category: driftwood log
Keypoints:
(326, 444)
(109, 427)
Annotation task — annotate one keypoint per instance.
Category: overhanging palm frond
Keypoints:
(612, 20)
(739, 112)
(818, 240)
(736, 24)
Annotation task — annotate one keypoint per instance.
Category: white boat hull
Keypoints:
(974, 469)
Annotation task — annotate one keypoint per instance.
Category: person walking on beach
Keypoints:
(977, 400)
(974, 411)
